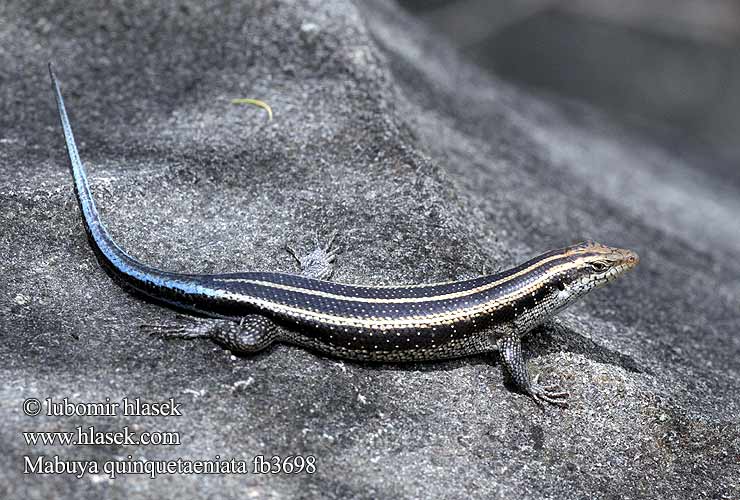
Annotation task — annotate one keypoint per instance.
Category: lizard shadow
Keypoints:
(553, 337)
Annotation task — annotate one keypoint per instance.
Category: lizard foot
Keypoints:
(552, 394)
(249, 334)
(319, 263)
(186, 328)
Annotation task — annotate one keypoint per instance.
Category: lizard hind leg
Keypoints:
(250, 334)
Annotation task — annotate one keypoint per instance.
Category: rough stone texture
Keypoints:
(429, 169)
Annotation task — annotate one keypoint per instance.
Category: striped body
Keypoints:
(395, 323)
(371, 323)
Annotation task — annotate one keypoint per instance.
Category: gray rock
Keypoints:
(429, 169)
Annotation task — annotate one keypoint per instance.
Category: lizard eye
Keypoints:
(598, 266)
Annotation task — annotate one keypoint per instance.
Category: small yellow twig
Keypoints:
(255, 102)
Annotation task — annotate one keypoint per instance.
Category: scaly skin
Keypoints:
(248, 311)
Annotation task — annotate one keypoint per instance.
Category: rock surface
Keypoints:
(429, 169)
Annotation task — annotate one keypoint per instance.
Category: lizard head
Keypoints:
(594, 265)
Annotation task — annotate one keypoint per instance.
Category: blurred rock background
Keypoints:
(671, 65)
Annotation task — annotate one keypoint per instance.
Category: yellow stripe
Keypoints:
(453, 295)
(438, 319)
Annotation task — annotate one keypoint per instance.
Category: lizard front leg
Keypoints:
(319, 263)
(248, 335)
(510, 347)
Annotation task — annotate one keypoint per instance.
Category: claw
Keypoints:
(191, 329)
(553, 393)
(159, 329)
(185, 334)
(328, 247)
(292, 252)
(540, 394)
(553, 387)
(318, 263)
(537, 400)
(187, 319)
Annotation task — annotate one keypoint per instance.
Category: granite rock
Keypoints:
(429, 169)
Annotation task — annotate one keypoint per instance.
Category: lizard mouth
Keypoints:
(626, 262)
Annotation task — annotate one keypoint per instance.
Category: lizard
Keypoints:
(246, 312)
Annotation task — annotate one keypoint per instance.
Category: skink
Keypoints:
(246, 312)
